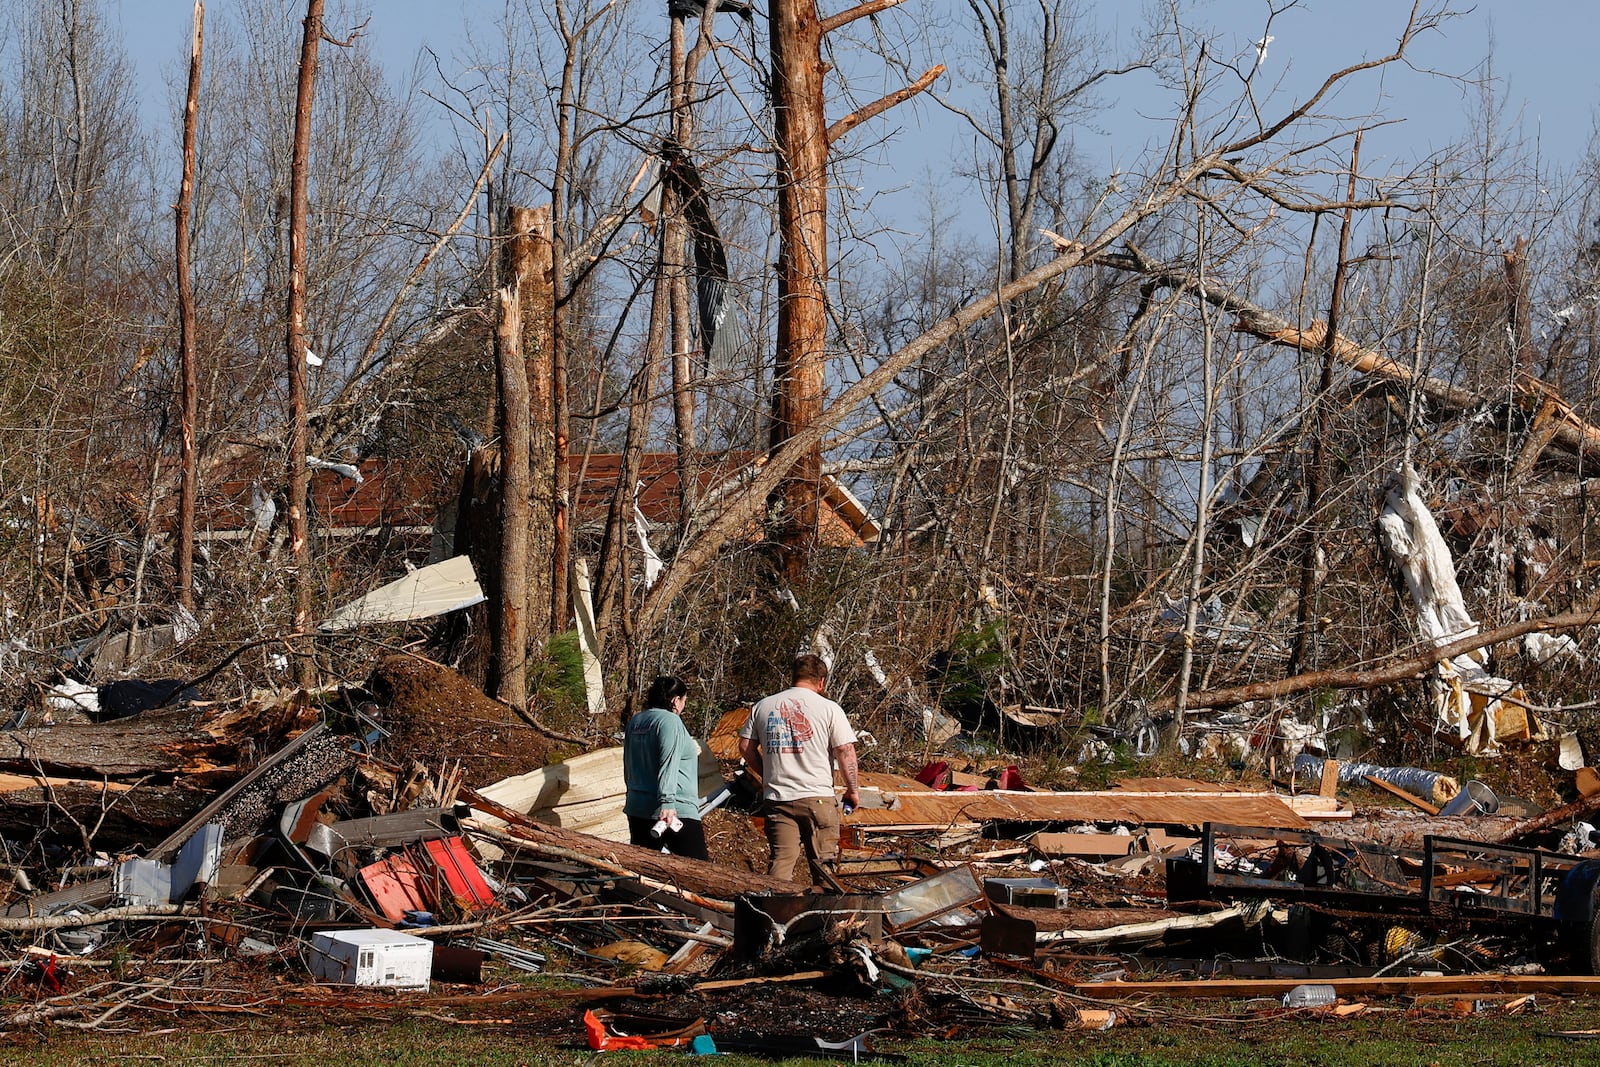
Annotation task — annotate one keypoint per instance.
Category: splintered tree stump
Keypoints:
(132, 780)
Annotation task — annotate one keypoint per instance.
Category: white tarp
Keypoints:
(422, 594)
(1468, 701)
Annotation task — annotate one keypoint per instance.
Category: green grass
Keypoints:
(1188, 1034)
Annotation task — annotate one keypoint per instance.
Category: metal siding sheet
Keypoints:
(396, 887)
(461, 876)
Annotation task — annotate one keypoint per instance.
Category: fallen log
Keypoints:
(158, 745)
(115, 818)
(676, 873)
(1567, 813)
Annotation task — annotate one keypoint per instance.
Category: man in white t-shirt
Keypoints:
(792, 740)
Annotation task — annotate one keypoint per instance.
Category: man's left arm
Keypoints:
(845, 757)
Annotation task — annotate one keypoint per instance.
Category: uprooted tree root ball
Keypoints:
(435, 715)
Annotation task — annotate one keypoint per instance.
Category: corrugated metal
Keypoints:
(396, 886)
(940, 810)
(462, 878)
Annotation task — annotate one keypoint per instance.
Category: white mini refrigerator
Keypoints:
(373, 958)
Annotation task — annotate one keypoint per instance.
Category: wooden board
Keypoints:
(15, 783)
(1410, 798)
(1172, 785)
(1329, 786)
(947, 810)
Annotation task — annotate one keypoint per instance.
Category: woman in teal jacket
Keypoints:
(661, 766)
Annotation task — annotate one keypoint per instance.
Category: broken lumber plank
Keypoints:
(947, 810)
(1409, 797)
(1149, 932)
(1329, 785)
(16, 783)
(1312, 806)
(724, 740)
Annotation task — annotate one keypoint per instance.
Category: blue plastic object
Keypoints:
(702, 1045)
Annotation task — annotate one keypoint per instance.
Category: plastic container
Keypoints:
(1310, 996)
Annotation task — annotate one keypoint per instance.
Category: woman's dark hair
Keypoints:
(664, 690)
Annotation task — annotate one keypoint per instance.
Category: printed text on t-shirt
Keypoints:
(788, 729)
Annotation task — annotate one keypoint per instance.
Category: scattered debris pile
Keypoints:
(414, 833)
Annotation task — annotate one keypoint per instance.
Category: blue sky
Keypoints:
(1543, 64)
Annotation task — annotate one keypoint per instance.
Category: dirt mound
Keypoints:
(438, 717)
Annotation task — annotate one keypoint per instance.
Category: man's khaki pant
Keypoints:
(810, 824)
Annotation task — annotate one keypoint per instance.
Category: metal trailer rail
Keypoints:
(1447, 877)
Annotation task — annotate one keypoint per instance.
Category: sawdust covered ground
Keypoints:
(438, 717)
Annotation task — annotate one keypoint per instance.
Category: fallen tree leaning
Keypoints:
(1381, 676)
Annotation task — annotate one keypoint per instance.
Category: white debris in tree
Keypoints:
(652, 562)
(312, 359)
(1545, 648)
(263, 509)
(822, 646)
(348, 470)
(421, 594)
(1468, 698)
(1294, 737)
(594, 682)
(69, 697)
(184, 624)
(1261, 48)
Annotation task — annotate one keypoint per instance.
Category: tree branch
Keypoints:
(1373, 679)
(878, 107)
(844, 18)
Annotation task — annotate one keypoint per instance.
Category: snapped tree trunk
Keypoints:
(190, 386)
(529, 268)
(508, 668)
(802, 143)
(295, 339)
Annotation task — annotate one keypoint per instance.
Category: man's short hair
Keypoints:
(810, 668)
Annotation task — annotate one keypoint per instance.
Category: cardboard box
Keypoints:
(372, 958)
